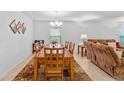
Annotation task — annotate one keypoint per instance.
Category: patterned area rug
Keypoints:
(27, 73)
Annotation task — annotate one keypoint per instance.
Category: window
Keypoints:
(122, 36)
(55, 35)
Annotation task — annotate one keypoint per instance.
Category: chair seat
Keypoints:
(54, 72)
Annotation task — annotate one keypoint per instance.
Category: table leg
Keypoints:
(78, 49)
(72, 69)
(35, 69)
(82, 51)
(85, 52)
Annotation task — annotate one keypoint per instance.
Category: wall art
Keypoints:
(17, 26)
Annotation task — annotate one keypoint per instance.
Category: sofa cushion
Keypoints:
(112, 44)
(103, 42)
(119, 53)
(114, 55)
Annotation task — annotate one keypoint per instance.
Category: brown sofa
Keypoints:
(102, 41)
(106, 58)
(89, 51)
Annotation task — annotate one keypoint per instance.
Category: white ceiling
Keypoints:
(76, 15)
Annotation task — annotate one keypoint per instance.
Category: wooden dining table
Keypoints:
(39, 59)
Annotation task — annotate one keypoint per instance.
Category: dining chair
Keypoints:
(66, 44)
(70, 44)
(54, 62)
(66, 64)
(71, 47)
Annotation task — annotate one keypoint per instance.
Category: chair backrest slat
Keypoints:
(67, 44)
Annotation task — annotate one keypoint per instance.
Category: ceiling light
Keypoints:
(56, 23)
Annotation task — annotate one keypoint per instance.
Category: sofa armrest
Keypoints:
(119, 53)
(119, 72)
(122, 61)
(122, 46)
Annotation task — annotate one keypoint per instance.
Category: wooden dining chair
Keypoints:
(37, 47)
(66, 65)
(70, 44)
(71, 47)
(54, 62)
(67, 44)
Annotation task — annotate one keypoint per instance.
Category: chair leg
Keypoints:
(45, 77)
(62, 77)
(45, 74)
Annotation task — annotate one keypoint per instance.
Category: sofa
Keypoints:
(102, 41)
(89, 52)
(106, 58)
(110, 42)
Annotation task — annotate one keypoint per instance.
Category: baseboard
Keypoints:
(13, 73)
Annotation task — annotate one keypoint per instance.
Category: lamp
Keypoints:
(56, 23)
(83, 37)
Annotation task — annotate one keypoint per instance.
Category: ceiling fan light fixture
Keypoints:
(56, 23)
(52, 23)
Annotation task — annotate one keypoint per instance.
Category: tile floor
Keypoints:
(94, 72)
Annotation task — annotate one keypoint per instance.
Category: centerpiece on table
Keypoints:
(54, 43)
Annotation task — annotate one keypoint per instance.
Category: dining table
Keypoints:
(39, 58)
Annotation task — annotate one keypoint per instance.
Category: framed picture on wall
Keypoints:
(21, 28)
(13, 27)
(17, 26)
